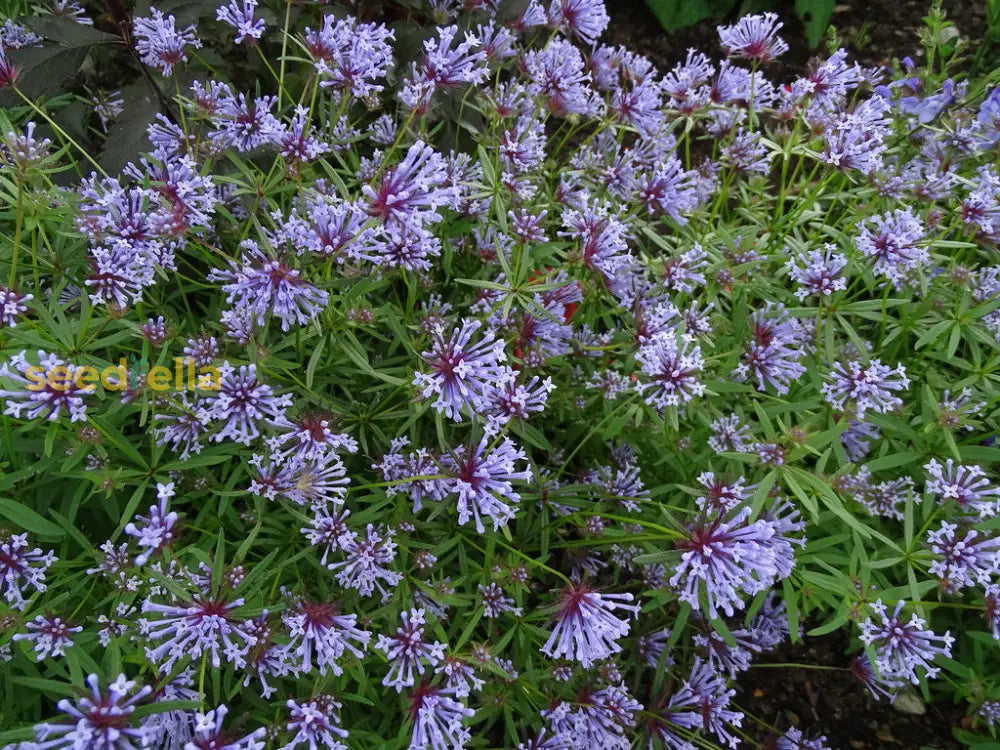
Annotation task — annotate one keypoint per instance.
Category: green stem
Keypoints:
(284, 51)
(17, 234)
(62, 133)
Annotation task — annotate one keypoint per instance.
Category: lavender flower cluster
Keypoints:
(551, 390)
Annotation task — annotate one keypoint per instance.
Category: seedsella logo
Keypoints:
(128, 375)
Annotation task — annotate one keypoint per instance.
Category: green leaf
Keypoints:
(52, 687)
(815, 15)
(677, 14)
(314, 359)
(29, 520)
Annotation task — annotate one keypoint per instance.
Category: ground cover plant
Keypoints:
(464, 382)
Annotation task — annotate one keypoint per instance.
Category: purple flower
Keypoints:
(243, 403)
(702, 703)
(401, 471)
(728, 558)
(437, 719)
(462, 374)
(981, 207)
(49, 635)
(685, 273)
(774, 354)
(495, 602)
(411, 192)
(533, 15)
(954, 412)
(183, 427)
(514, 399)
(867, 387)
(669, 189)
(793, 739)
(769, 628)
(927, 108)
(402, 247)
(481, 477)
(296, 142)
(319, 636)
(966, 485)
(328, 227)
(459, 676)
(857, 139)
(988, 118)
(70, 9)
(327, 529)
(9, 72)
(833, 79)
(746, 154)
(586, 626)
(114, 567)
(202, 624)
(901, 647)
(202, 349)
(729, 434)
(240, 15)
(857, 438)
(586, 19)
(861, 670)
(498, 42)
(522, 145)
(366, 566)
(260, 286)
(652, 648)
(623, 484)
(722, 496)
(155, 532)
(754, 38)
(209, 735)
(963, 560)
(239, 325)
(350, 56)
(22, 569)
(673, 368)
(407, 651)
(245, 124)
(45, 391)
(892, 244)
(120, 273)
(316, 724)
(684, 82)
(526, 226)
(640, 106)
(12, 306)
(558, 77)
(15, 36)
(723, 657)
(989, 712)
(595, 719)
(98, 721)
(541, 742)
(159, 43)
(882, 499)
(449, 62)
(154, 330)
(22, 150)
(602, 237)
(734, 85)
(266, 658)
(318, 481)
(818, 272)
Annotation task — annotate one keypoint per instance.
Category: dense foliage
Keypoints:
(496, 391)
